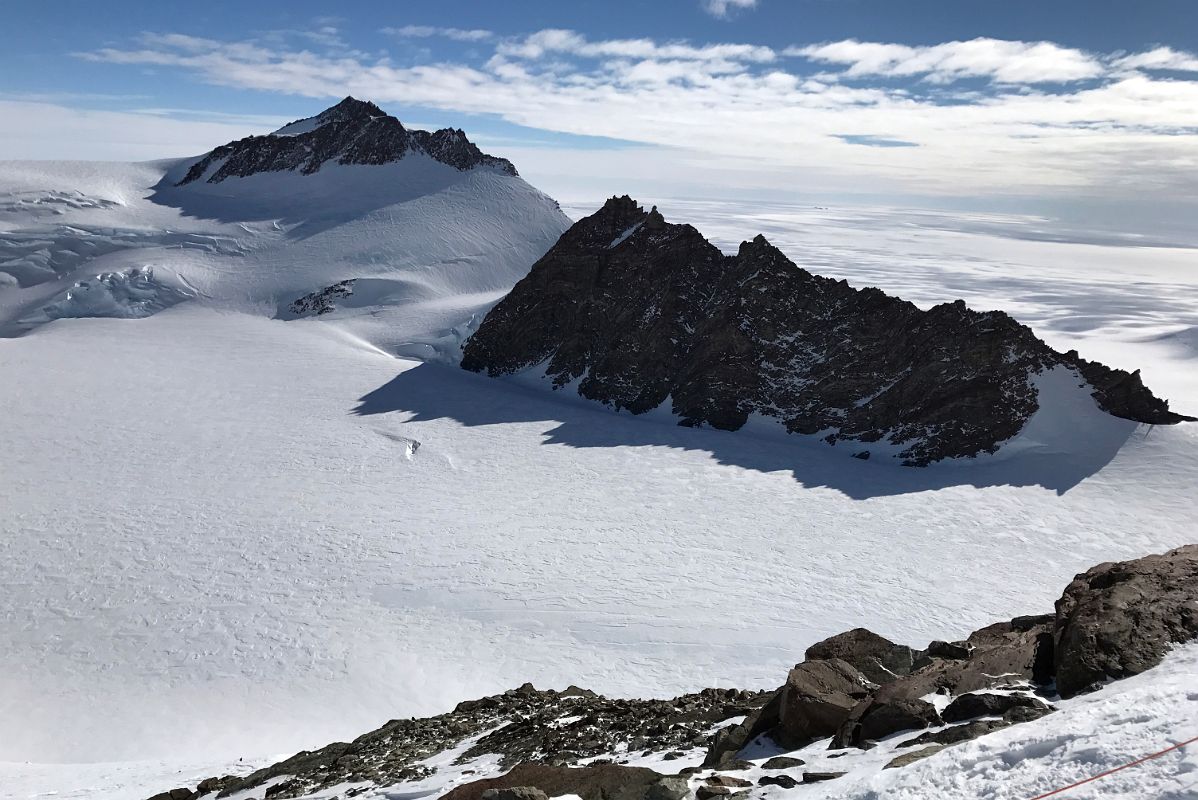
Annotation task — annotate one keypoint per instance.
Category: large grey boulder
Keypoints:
(816, 700)
(876, 657)
(597, 782)
(1117, 620)
(877, 718)
(973, 705)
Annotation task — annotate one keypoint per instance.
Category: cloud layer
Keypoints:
(981, 116)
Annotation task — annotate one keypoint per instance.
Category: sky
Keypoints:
(1074, 108)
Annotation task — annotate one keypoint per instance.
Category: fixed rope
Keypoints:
(1177, 746)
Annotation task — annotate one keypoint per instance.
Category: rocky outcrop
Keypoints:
(876, 657)
(600, 782)
(879, 717)
(984, 704)
(522, 725)
(1116, 620)
(816, 700)
(351, 132)
(322, 301)
(639, 311)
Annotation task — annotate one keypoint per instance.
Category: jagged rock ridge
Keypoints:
(351, 132)
(640, 311)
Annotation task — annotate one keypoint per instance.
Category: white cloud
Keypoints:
(557, 41)
(1160, 58)
(1000, 60)
(427, 31)
(41, 130)
(1117, 133)
(720, 8)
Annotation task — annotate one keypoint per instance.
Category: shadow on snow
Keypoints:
(431, 391)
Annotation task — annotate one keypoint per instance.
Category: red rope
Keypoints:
(1116, 769)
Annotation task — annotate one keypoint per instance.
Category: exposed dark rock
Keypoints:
(515, 793)
(727, 742)
(783, 762)
(1117, 620)
(785, 781)
(322, 301)
(817, 777)
(712, 792)
(527, 727)
(175, 794)
(729, 781)
(351, 132)
(876, 657)
(638, 310)
(950, 650)
(912, 757)
(969, 706)
(816, 700)
(957, 733)
(602, 782)
(877, 718)
(1026, 713)
(212, 784)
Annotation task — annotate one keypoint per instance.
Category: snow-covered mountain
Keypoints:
(423, 222)
(640, 313)
(351, 132)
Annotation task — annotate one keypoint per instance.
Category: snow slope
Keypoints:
(226, 534)
(440, 244)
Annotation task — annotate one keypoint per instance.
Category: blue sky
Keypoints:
(1084, 104)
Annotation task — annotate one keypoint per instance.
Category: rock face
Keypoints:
(876, 657)
(638, 311)
(816, 700)
(351, 132)
(1116, 620)
(600, 782)
(984, 704)
(322, 301)
(877, 718)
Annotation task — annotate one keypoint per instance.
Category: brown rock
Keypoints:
(816, 700)
(969, 706)
(877, 718)
(1117, 620)
(913, 756)
(876, 657)
(602, 782)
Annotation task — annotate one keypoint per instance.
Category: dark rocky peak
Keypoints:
(639, 310)
(351, 132)
(351, 109)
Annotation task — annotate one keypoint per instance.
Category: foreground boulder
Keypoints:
(599, 782)
(876, 657)
(639, 311)
(877, 718)
(816, 700)
(970, 706)
(1117, 620)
